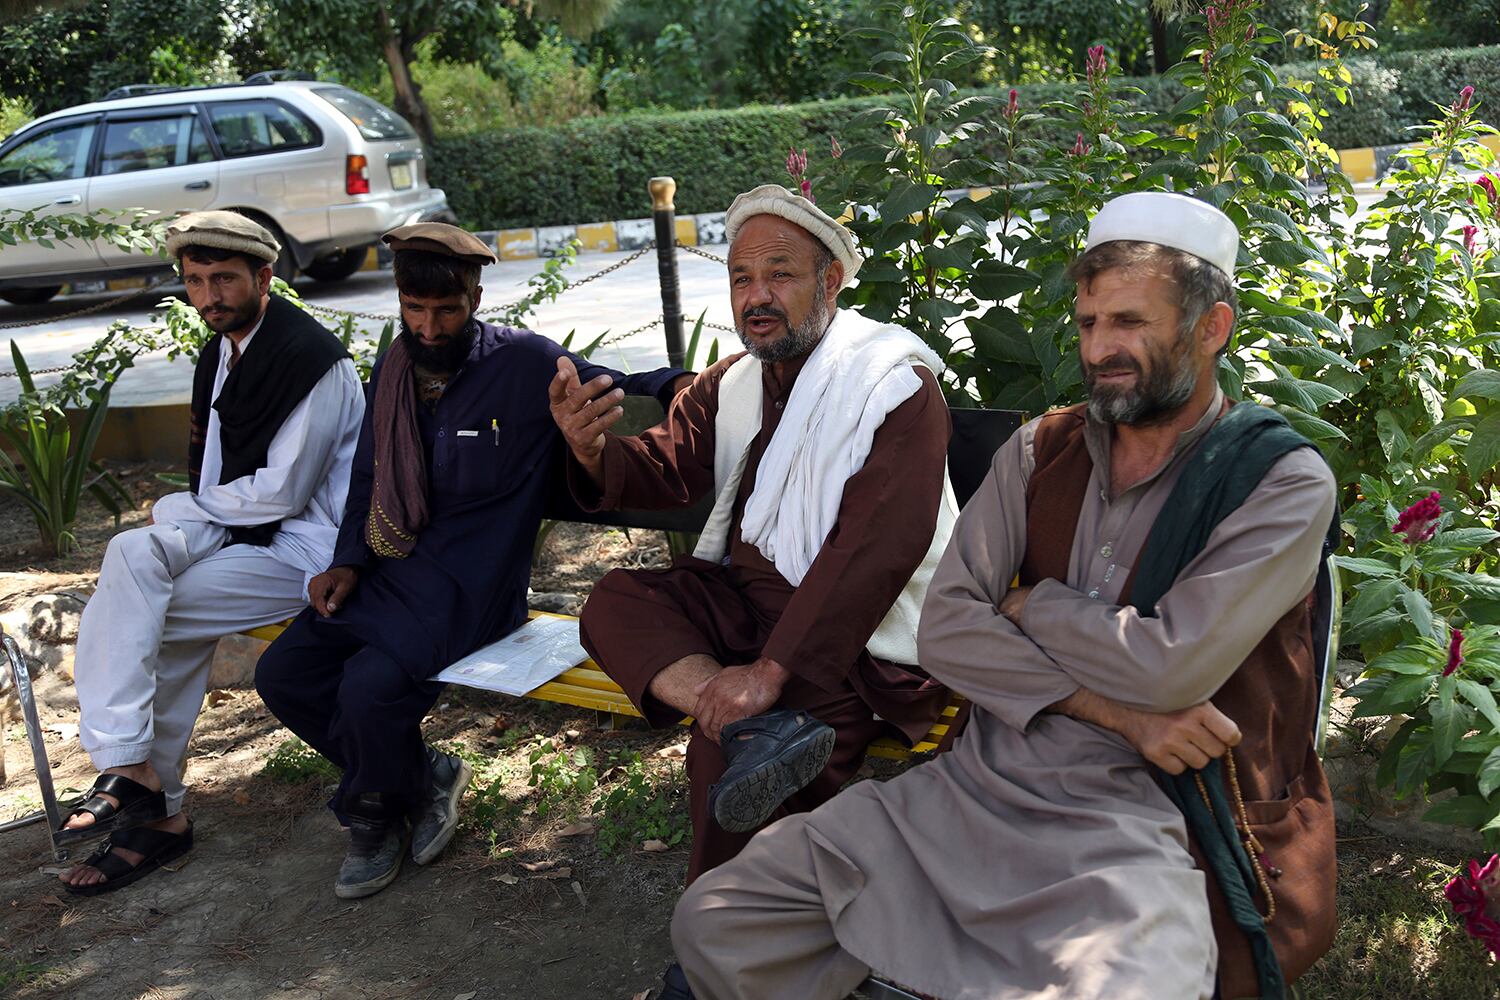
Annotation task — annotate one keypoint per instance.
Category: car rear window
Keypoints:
(374, 120)
(246, 128)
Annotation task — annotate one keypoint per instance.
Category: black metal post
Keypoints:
(665, 215)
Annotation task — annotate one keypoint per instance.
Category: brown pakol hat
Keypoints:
(439, 237)
(223, 231)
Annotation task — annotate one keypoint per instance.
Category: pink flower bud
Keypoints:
(1487, 184)
(1014, 107)
(1098, 65)
(807, 191)
(1465, 96)
(834, 149)
(1469, 234)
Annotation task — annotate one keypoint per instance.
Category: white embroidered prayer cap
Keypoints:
(1171, 220)
(773, 199)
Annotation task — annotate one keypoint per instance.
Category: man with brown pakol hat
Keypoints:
(1166, 545)
(276, 406)
(790, 633)
(455, 459)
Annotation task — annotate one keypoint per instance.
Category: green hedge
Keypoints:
(596, 169)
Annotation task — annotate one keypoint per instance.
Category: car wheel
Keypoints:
(339, 265)
(29, 296)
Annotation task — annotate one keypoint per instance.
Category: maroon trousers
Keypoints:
(637, 622)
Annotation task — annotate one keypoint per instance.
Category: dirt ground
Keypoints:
(250, 913)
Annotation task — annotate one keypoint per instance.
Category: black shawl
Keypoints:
(292, 353)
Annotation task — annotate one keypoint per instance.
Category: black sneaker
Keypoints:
(433, 822)
(376, 847)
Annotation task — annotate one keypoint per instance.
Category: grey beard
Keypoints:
(799, 339)
(1156, 397)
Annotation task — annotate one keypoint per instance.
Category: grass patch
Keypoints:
(641, 802)
(14, 973)
(294, 762)
(1398, 939)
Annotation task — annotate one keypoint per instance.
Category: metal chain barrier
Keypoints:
(701, 253)
(89, 310)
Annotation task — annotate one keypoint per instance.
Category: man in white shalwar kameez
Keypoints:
(277, 408)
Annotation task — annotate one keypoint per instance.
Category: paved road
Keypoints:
(617, 302)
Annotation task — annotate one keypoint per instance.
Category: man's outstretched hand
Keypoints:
(583, 413)
(326, 591)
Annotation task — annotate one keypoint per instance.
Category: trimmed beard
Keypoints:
(797, 341)
(1161, 389)
(444, 357)
(238, 319)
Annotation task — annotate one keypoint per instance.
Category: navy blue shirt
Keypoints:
(492, 450)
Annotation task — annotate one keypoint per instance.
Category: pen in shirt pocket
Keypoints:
(495, 426)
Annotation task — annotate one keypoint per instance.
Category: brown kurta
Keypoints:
(1039, 858)
(638, 622)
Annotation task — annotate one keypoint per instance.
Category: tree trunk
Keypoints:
(408, 97)
(1158, 40)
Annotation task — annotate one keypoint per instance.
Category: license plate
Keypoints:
(401, 176)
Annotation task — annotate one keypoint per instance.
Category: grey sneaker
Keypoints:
(374, 859)
(433, 822)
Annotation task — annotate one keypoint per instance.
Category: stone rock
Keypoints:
(45, 630)
(234, 662)
(557, 604)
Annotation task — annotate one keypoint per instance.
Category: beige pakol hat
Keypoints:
(440, 238)
(1171, 220)
(773, 199)
(222, 231)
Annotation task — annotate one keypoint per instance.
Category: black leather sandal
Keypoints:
(158, 846)
(769, 758)
(138, 805)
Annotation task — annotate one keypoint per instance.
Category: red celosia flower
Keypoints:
(1455, 651)
(1418, 522)
(1476, 900)
(834, 149)
(807, 190)
(1014, 107)
(1469, 233)
(1465, 97)
(1081, 148)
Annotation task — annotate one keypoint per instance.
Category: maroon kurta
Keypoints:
(638, 622)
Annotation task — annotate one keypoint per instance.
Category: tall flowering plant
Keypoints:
(1475, 897)
(1428, 619)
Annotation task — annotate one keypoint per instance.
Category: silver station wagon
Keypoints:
(323, 167)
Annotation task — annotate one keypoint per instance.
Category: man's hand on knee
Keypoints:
(736, 693)
(326, 591)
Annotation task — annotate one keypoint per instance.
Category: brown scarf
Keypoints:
(398, 498)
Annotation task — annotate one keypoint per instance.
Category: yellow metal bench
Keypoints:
(587, 686)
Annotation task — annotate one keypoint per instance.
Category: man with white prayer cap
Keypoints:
(1126, 602)
(790, 634)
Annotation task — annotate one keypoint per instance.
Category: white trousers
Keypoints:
(167, 593)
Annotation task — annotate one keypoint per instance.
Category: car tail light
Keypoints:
(357, 175)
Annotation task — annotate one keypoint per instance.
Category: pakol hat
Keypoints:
(773, 199)
(222, 230)
(1171, 220)
(440, 238)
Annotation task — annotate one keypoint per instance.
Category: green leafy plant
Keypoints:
(639, 802)
(49, 468)
(294, 762)
(563, 777)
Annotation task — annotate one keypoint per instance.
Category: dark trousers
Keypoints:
(637, 622)
(354, 705)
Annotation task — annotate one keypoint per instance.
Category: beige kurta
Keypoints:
(1039, 858)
